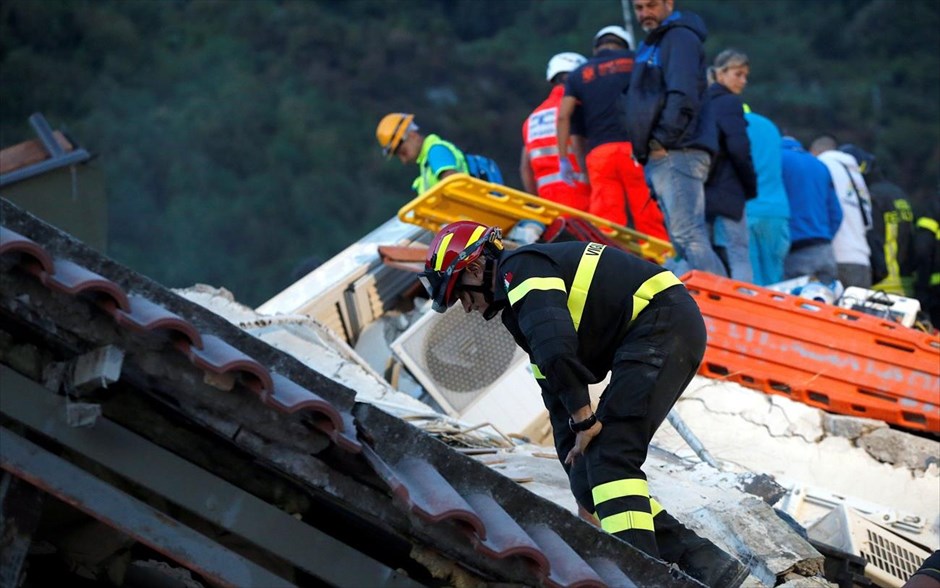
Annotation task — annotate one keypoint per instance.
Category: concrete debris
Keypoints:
(800, 446)
(901, 449)
(96, 369)
(82, 414)
(764, 444)
(803, 582)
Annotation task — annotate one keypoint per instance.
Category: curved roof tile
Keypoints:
(13, 242)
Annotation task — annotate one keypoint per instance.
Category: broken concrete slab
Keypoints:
(897, 448)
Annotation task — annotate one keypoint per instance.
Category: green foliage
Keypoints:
(238, 135)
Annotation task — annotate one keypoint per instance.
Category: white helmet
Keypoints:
(563, 63)
(616, 31)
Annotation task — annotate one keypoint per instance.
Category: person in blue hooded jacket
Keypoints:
(768, 215)
(669, 131)
(815, 214)
(732, 181)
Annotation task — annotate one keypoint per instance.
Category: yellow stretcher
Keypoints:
(463, 197)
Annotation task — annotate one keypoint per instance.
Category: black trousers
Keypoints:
(652, 367)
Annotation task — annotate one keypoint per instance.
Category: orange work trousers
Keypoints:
(619, 192)
(577, 196)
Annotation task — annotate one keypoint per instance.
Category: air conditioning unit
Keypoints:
(892, 559)
(472, 368)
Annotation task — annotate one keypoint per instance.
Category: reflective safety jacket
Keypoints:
(569, 306)
(431, 167)
(539, 135)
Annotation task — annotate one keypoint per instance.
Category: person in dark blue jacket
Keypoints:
(815, 214)
(666, 124)
(732, 181)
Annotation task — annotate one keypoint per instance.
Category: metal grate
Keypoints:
(457, 356)
(889, 555)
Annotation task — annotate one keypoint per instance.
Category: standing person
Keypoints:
(666, 125)
(850, 245)
(398, 135)
(732, 181)
(539, 164)
(892, 225)
(581, 310)
(618, 189)
(926, 256)
(815, 214)
(768, 215)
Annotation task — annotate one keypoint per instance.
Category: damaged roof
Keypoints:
(299, 423)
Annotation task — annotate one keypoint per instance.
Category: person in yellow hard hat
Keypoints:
(398, 135)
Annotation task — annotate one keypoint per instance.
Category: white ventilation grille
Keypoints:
(472, 368)
(892, 559)
(894, 556)
(456, 355)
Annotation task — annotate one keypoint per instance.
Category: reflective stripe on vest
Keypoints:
(543, 151)
(582, 281)
(650, 288)
(556, 178)
(930, 224)
(537, 372)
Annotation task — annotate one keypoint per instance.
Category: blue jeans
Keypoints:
(732, 235)
(769, 243)
(817, 261)
(679, 182)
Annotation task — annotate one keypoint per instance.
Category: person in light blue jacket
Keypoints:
(768, 215)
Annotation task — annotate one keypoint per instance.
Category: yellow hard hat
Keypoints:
(391, 131)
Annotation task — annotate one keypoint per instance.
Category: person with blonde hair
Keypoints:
(732, 180)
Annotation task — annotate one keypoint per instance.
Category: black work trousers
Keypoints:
(654, 363)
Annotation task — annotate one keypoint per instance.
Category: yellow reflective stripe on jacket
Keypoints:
(925, 222)
(619, 489)
(650, 288)
(517, 293)
(626, 521)
(582, 281)
(537, 372)
(655, 507)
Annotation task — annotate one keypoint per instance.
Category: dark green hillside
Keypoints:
(237, 135)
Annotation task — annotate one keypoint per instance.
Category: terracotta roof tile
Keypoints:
(504, 537)
(146, 316)
(219, 357)
(74, 279)
(568, 569)
(476, 500)
(12, 242)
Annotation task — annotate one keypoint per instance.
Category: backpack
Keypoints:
(480, 166)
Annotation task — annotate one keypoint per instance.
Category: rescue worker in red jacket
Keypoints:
(539, 163)
(618, 186)
(581, 310)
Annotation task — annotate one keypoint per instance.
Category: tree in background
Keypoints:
(236, 136)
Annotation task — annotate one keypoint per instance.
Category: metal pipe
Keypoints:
(45, 134)
(676, 421)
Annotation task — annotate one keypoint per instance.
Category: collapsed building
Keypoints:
(179, 437)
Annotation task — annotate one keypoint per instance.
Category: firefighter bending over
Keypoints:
(581, 310)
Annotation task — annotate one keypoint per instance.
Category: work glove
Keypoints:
(566, 170)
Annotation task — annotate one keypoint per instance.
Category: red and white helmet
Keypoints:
(454, 247)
